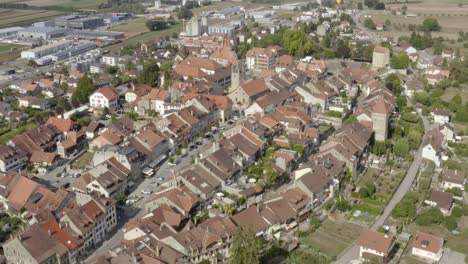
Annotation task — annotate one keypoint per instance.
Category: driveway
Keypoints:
(452, 257)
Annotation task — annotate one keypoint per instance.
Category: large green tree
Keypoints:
(245, 249)
(431, 24)
(150, 73)
(400, 61)
(294, 41)
(401, 147)
(84, 89)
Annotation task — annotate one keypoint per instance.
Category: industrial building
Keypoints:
(103, 35)
(46, 49)
(197, 26)
(224, 28)
(79, 22)
(73, 51)
(9, 32)
(42, 32)
(228, 12)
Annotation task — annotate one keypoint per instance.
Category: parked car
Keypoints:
(159, 179)
(146, 192)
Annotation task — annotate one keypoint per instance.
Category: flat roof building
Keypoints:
(42, 32)
(46, 49)
(11, 31)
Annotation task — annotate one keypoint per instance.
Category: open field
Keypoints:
(332, 237)
(79, 4)
(145, 36)
(450, 15)
(9, 47)
(10, 17)
(219, 5)
(134, 27)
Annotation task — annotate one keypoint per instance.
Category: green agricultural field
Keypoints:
(79, 4)
(451, 15)
(9, 47)
(10, 18)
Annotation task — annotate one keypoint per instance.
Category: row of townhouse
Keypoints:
(62, 226)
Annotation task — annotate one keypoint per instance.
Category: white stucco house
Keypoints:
(428, 247)
(373, 244)
(440, 116)
(105, 97)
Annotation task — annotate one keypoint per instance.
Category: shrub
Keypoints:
(451, 222)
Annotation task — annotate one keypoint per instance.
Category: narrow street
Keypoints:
(136, 210)
(352, 252)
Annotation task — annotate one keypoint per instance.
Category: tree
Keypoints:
(84, 89)
(388, 23)
(369, 23)
(401, 147)
(359, 6)
(400, 61)
(430, 216)
(294, 40)
(150, 73)
(431, 24)
(245, 249)
(184, 13)
(393, 83)
(342, 49)
(228, 209)
(155, 25)
(451, 222)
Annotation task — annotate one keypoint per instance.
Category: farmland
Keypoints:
(137, 33)
(451, 16)
(8, 47)
(79, 4)
(10, 18)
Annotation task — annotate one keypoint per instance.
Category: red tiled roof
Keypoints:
(109, 92)
(63, 124)
(21, 192)
(59, 234)
(254, 87)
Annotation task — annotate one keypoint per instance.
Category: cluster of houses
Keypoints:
(63, 226)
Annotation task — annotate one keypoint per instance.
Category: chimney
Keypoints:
(49, 232)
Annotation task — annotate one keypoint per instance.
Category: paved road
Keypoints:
(352, 252)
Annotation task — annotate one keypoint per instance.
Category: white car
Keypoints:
(146, 192)
(159, 178)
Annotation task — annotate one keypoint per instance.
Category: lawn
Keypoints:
(84, 160)
(9, 47)
(4, 138)
(332, 238)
